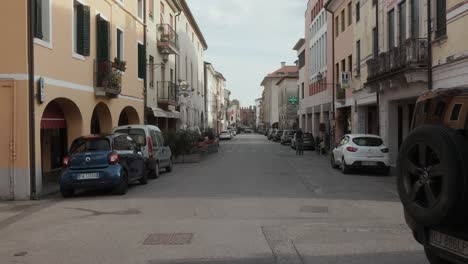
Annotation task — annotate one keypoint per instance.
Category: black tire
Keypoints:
(345, 169)
(67, 193)
(386, 171)
(154, 173)
(434, 258)
(123, 185)
(332, 162)
(431, 174)
(170, 167)
(144, 179)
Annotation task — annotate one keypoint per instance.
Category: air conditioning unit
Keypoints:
(345, 79)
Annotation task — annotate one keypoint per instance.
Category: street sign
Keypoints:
(293, 100)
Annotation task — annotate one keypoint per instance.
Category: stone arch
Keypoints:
(129, 116)
(101, 120)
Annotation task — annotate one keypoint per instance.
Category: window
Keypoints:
(343, 65)
(42, 20)
(81, 29)
(103, 40)
(350, 63)
(151, 9)
(402, 21)
(171, 21)
(441, 18)
(358, 57)
(358, 11)
(391, 29)
(415, 18)
(302, 90)
(375, 42)
(141, 61)
(151, 75)
(123, 143)
(186, 27)
(337, 27)
(350, 16)
(120, 44)
(337, 74)
(455, 112)
(140, 9)
(342, 20)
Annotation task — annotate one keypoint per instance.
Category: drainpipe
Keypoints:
(32, 127)
(429, 47)
(177, 58)
(145, 84)
(377, 94)
(332, 130)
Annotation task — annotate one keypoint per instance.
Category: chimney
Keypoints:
(283, 64)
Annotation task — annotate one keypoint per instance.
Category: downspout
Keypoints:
(32, 127)
(145, 86)
(177, 57)
(429, 47)
(377, 94)
(332, 134)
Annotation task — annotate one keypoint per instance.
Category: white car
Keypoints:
(225, 135)
(233, 132)
(361, 151)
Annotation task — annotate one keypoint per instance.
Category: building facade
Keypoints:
(46, 105)
(287, 91)
(248, 116)
(258, 113)
(233, 113)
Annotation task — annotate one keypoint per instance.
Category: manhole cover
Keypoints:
(314, 209)
(168, 239)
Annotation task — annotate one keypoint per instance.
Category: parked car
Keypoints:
(225, 135)
(309, 142)
(278, 135)
(248, 131)
(102, 162)
(287, 136)
(361, 151)
(271, 134)
(156, 153)
(267, 132)
(432, 175)
(233, 132)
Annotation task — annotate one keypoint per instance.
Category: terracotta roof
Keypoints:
(296, 76)
(283, 72)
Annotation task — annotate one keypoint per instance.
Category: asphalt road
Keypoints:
(253, 202)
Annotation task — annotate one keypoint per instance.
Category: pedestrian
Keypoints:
(299, 143)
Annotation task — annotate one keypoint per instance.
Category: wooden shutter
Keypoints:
(83, 30)
(38, 19)
(103, 39)
(141, 61)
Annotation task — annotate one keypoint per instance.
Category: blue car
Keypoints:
(102, 162)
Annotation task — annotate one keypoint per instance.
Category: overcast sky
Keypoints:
(248, 39)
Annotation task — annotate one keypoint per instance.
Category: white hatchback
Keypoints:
(225, 135)
(361, 151)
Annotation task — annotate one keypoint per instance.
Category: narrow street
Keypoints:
(253, 202)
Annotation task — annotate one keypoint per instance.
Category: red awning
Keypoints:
(53, 117)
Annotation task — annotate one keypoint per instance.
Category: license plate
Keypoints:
(449, 243)
(369, 163)
(87, 176)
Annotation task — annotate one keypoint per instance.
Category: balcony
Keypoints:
(340, 94)
(168, 40)
(107, 78)
(167, 93)
(410, 56)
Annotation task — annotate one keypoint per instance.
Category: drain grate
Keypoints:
(168, 239)
(314, 209)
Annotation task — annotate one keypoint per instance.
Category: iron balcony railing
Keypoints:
(413, 53)
(107, 78)
(167, 38)
(167, 92)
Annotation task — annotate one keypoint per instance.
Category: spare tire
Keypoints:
(432, 173)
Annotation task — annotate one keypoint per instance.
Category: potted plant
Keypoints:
(119, 65)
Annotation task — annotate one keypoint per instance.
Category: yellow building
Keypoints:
(68, 68)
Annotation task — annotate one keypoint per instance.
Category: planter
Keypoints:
(190, 158)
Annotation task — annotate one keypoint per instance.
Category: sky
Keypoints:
(247, 39)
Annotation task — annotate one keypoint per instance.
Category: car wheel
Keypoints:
(144, 179)
(386, 171)
(432, 166)
(333, 162)
(344, 168)
(154, 173)
(434, 259)
(170, 167)
(67, 193)
(123, 185)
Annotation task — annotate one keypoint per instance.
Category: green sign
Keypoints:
(293, 100)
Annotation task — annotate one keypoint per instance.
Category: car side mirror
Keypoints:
(139, 153)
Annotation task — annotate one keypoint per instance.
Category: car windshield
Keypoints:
(137, 134)
(368, 141)
(90, 145)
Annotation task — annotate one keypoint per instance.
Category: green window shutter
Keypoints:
(103, 39)
(141, 61)
(37, 5)
(82, 30)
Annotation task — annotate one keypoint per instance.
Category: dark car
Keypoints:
(432, 175)
(102, 162)
(309, 141)
(287, 136)
(277, 136)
